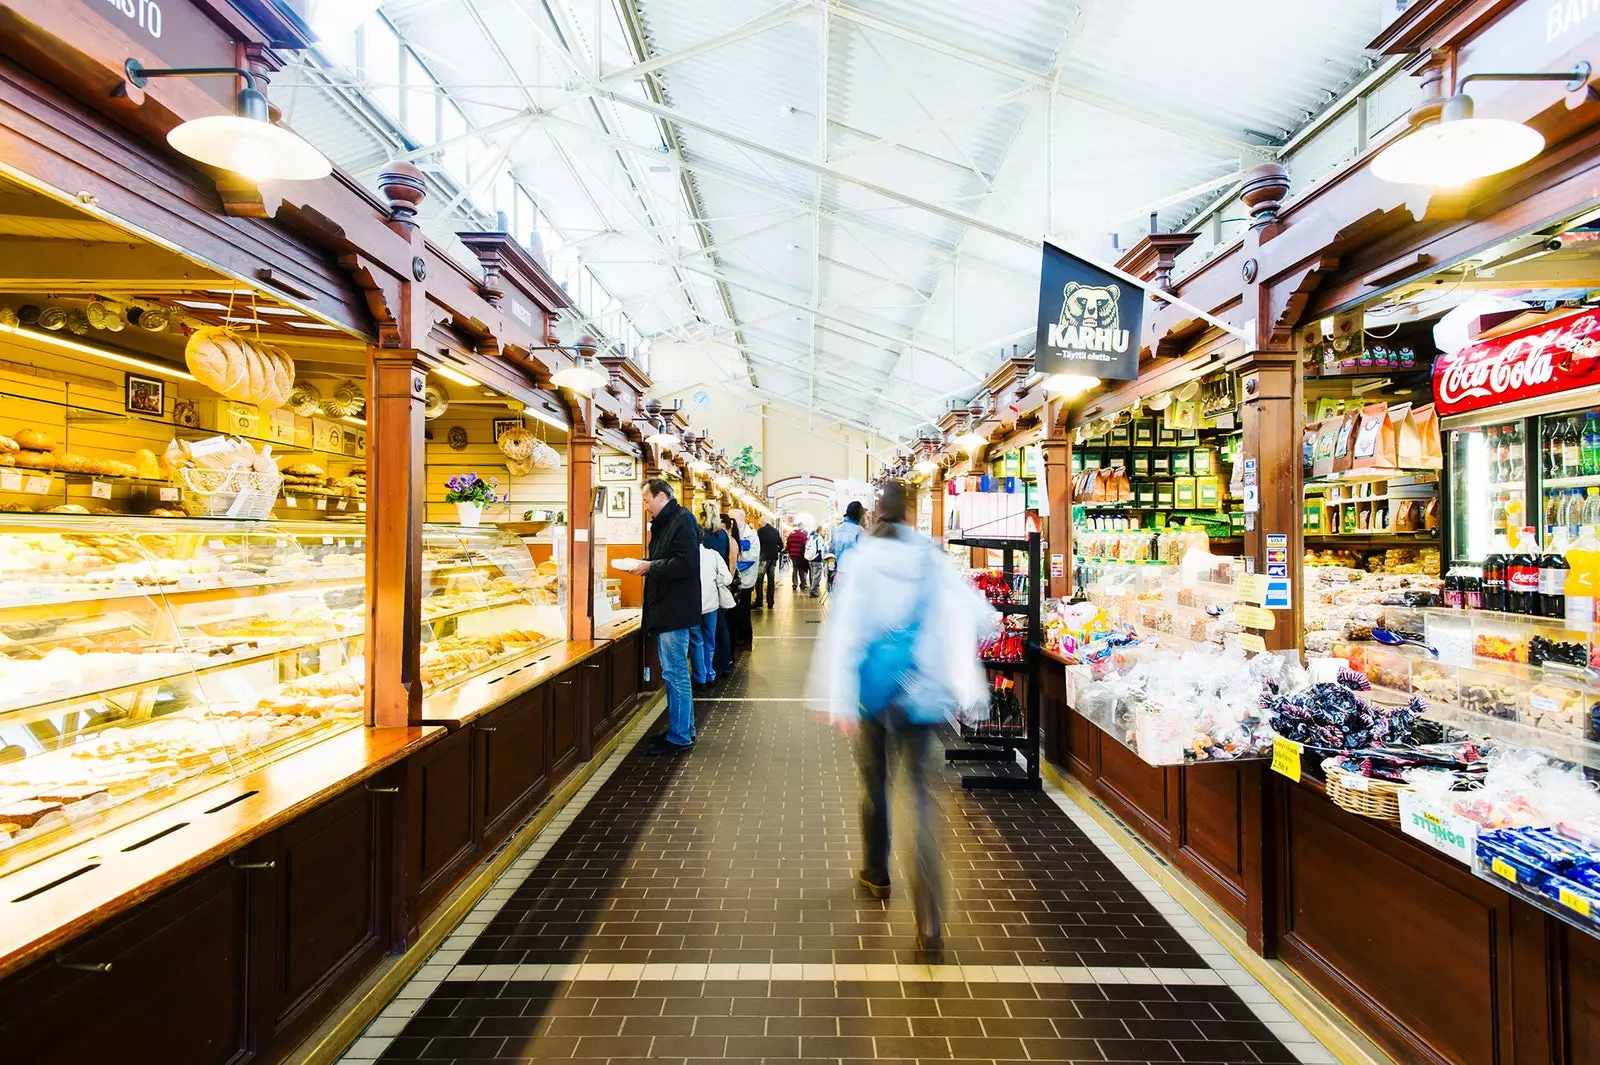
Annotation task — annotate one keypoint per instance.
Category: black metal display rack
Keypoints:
(995, 742)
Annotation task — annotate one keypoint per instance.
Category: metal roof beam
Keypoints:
(899, 137)
(770, 21)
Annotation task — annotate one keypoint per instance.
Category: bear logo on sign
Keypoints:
(1090, 319)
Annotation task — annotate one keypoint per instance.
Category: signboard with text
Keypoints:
(1089, 319)
(1540, 361)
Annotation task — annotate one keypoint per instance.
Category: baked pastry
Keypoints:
(35, 460)
(305, 469)
(68, 508)
(146, 465)
(35, 440)
(28, 812)
(8, 444)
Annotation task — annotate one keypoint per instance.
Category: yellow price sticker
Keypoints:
(1253, 617)
(1252, 588)
(1501, 869)
(1286, 757)
(1573, 901)
(1249, 641)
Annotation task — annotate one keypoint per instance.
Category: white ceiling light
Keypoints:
(245, 142)
(96, 352)
(1069, 384)
(454, 375)
(1458, 148)
(582, 376)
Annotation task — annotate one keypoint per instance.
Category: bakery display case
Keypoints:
(143, 661)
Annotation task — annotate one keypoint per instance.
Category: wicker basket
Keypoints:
(1380, 801)
(242, 494)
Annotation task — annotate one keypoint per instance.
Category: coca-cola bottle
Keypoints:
(1494, 576)
(1552, 448)
(1454, 594)
(1522, 576)
(1513, 440)
(1472, 587)
(1553, 578)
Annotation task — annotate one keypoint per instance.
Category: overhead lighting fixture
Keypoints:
(971, 440)
(661, 438)
(245, 142)
(584, 375)
(1069, 384)
(723, 480)
(543, 416)
(202, 305)
(354, 420)
(927, 467)
(321, 327)
(286, 312)
(1458, 148)
(93, 352)
(454, 376)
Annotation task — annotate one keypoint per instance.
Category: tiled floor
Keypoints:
(703, 909)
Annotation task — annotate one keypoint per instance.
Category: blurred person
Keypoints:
(745, 575)
(849, 532)
(716, 594)
(725, 645)
(898, 653)
(795, 548)
(671, 606)
(817, 551)
(771, 549)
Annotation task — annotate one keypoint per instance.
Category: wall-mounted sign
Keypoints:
(1539, 361)
(1089, 320)
(172, 33)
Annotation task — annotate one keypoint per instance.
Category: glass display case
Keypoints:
(143, 661)
(1569, 471)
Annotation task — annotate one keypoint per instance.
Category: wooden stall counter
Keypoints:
(464, 703)
(625, 623)
(55, 901)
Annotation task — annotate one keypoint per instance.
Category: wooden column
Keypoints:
(395, 381)
(936, 486)
(1056, 457)
(582, 449)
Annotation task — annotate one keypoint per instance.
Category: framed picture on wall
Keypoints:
(146, 395)
(502, 425)
(599, 501)
(619, 502)
(617, 468)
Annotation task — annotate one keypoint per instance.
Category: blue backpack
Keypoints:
(890, 660)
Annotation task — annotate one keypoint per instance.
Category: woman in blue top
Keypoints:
(848, 534)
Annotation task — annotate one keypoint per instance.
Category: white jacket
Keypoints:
(713, 575)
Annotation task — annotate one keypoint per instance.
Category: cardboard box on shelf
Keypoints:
(1183, 493)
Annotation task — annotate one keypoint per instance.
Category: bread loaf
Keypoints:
(35, 440)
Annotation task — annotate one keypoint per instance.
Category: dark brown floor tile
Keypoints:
(1031, 1027)
(919, 1047)
(730, 1026)
(580, 1026)
(985, 1047)
(763, 1046)
(689, 1046)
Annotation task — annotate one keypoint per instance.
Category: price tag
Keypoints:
(1286, 757)
(1573, 901)
(1252, 587)
(1249, 641)
(10, 481)
(361, 507)
(1254, 617)
(1355, 782)
(36, 484)
(169, 495)
(322, 502)
(290, 501)
(99, 489)
(327, 540)
(1501, 869)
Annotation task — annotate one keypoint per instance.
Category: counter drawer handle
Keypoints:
(383, 791)
(485, 728)
(83, 966)
(237, 864)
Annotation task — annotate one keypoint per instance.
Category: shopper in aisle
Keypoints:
(848, 534)
(716, 595)
(723, 544)
(771, 548)
(795, 547)
(745, 575)
(817, 551)
(898, 654)
(671, 606)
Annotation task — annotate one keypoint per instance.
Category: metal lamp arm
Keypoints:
(137, 73)
(1575, 79)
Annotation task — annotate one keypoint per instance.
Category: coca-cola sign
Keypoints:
(1540, 361)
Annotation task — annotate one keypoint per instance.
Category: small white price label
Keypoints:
(169, 495)
(327, 541)
(36, 485)
(290, 501)
(362, 507)
(100, 489)
(1356, 782)
(322, 502)
(10, 481)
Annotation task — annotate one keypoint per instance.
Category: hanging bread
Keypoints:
(215, 355)
(256, 361)
(283, 377)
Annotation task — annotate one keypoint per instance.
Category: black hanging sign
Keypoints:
(1089, 320)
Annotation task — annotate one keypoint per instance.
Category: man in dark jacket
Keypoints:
(771, 548)
(671, 606)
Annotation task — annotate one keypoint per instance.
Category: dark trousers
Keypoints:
(800, 574)
(914, 743)
(722, 657)
(740, 627)
(769, 577)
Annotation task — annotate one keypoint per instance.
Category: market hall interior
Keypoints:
(346, 344)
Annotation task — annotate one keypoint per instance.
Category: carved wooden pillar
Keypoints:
(395, 381)
(937, 488)
(582, 451)
(1056, 456)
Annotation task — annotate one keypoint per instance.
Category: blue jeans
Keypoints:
(703, 649)
(672, 647)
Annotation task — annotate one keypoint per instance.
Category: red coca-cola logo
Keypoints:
(1539, 361)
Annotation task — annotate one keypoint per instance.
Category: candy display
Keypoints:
(1000, 590)
(1557, 868)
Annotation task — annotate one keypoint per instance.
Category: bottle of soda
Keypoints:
(1494, 576)
(1454, 592)
(1513, 440)
(1472, 587)
(1522, 576)
(1553, 578)
(1571, 449)
(1591, 445)
(1552, 448)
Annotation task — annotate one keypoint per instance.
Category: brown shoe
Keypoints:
(876, 889)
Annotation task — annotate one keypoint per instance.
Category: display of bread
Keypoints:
(240, 367)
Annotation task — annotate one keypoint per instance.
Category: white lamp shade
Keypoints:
(257, 150)
(1068, 384)
(1451, 153)
(580, 377)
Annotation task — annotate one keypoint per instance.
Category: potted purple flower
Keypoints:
(470, 493)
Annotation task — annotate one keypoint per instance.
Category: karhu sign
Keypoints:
(1089, 320)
